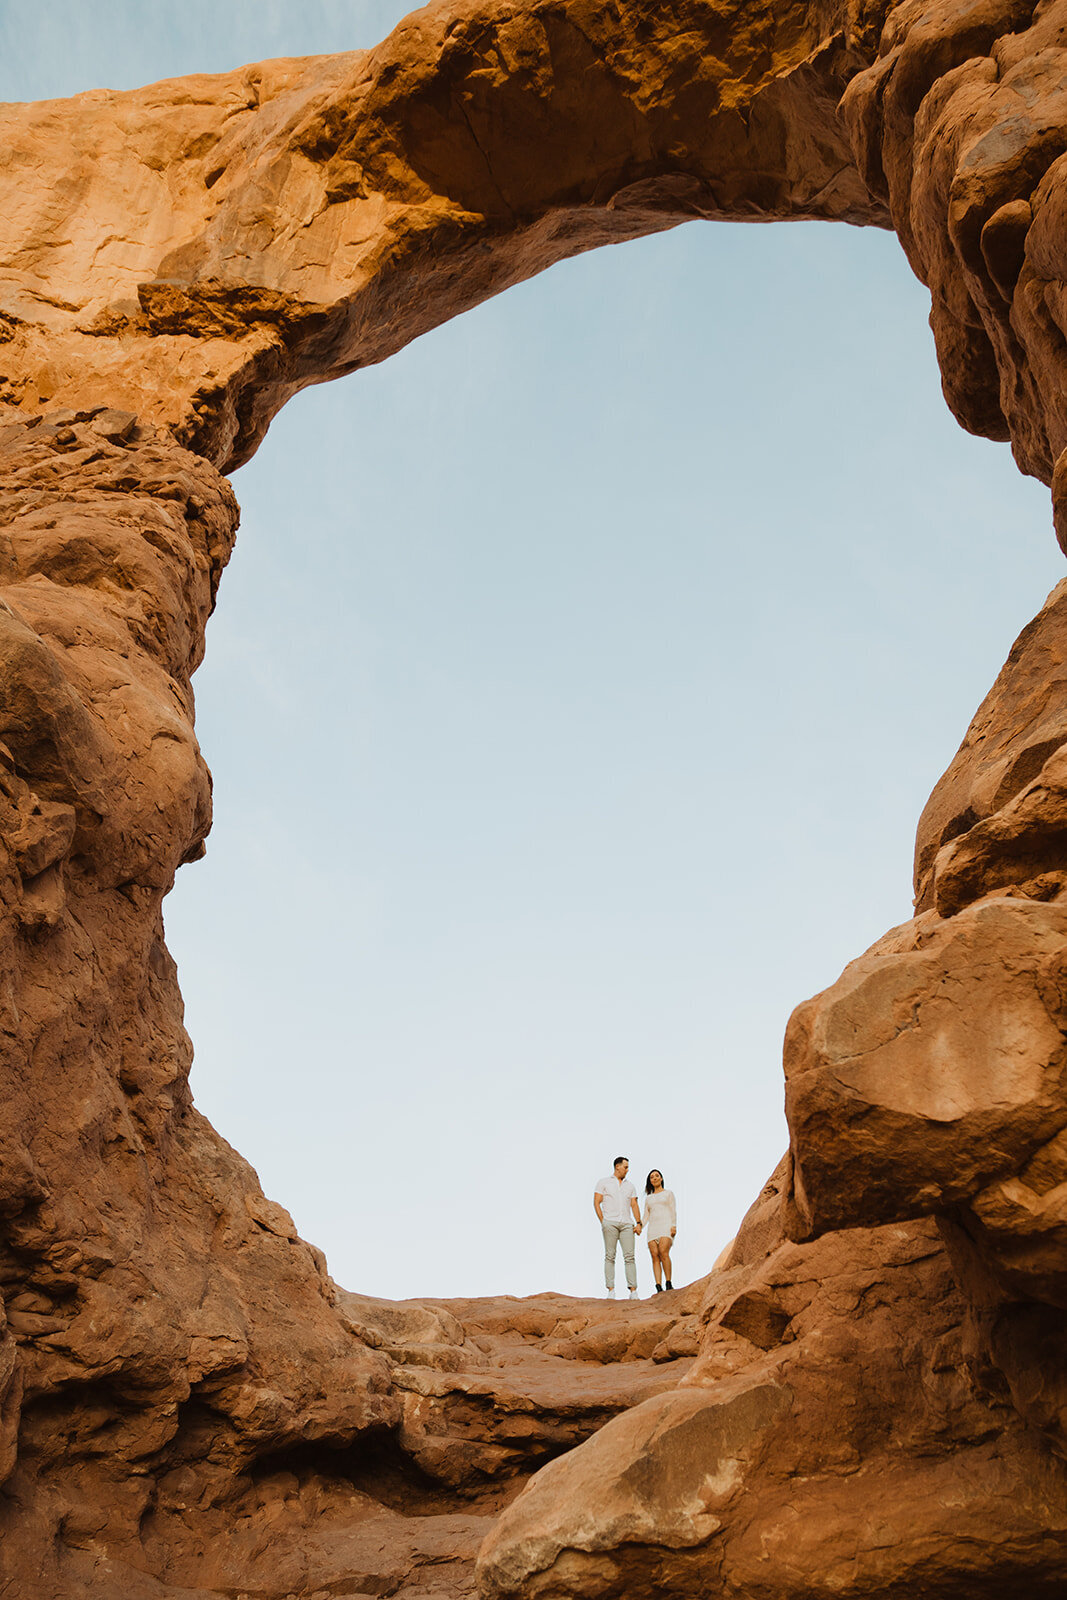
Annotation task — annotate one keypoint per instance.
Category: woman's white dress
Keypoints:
(660, 1214)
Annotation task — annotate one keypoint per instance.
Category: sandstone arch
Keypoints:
(887, 1328)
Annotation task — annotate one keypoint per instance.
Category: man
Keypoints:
(613, 1200)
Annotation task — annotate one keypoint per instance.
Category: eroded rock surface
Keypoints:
(212, 245)
(836, 1436)
(868, 1398)
(471, 1398)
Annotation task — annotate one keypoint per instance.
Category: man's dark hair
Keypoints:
(618, 1159)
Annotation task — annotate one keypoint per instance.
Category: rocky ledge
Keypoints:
(476, 1395)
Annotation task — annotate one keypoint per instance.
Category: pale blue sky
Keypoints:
(573, 694)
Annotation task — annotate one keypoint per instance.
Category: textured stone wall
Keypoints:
(868, 1397)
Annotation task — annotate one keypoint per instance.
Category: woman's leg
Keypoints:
(665, 1256)
(653, 1250)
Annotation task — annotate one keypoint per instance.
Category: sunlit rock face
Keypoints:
(867, 1399)
(198, 251)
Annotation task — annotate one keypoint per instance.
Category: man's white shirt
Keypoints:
(617, 1194)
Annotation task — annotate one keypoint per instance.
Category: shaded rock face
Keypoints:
(867, 1398)
(835, 1436)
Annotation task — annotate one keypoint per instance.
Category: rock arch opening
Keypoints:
(532, 641)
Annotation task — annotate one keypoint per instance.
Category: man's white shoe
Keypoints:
(611, 1294)
(634, 1295)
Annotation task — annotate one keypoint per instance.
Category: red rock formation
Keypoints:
(834, 1438)
(213, 245)
(188, 1406)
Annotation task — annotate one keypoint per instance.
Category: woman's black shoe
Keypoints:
(669, 1284)
(659, 1288)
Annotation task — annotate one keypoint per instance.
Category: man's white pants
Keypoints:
(613, 1232)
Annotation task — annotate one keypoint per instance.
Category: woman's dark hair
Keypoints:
(648, 1181)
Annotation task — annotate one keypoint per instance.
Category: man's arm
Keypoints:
(598, 1200)
(636, 1209)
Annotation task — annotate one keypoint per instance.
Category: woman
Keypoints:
(660, 1223)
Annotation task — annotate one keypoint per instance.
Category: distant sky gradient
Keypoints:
(573, 694)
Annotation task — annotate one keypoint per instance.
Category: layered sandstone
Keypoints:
(198, 251)
(838, 1435)
(868, 1398)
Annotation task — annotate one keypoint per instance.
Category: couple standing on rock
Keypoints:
(614, 1199)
